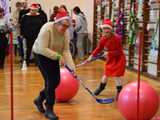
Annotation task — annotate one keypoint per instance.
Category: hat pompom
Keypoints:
(107, 23)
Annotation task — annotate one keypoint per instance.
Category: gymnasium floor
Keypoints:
(82, 107)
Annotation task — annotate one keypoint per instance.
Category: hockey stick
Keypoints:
(100, 56)
(98, 100)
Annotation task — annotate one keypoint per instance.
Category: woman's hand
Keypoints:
(62, 61)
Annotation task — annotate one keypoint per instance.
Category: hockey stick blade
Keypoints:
(105, 100)
(98, 100)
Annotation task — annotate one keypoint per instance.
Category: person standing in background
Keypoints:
(21, 41)
(24, 9)
(15, 18)
(42, 13)
(15, 23)
(55, 11)
(4, 31)
(63, 8)
(82, 32)
(31, 24)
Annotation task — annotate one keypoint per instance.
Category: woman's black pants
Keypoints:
(50, 71)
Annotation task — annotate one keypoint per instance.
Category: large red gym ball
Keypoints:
(148, 101)
(68, 86)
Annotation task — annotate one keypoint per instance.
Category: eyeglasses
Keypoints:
(64, 25)
(106, 28)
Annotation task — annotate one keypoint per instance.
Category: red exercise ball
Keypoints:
(68, 86)
(127, 101)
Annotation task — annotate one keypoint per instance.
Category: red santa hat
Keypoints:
(61, 15)
(107, 23)
(34, 6)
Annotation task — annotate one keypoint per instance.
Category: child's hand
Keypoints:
(105, 55)
(89, 58)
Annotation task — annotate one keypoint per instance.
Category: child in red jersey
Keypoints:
(115, 58)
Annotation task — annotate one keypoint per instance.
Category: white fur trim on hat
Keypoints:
(106, 25)
(60, 19)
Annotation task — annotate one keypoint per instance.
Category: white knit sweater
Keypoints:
(49, 42)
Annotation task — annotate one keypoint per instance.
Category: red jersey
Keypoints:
(115, 62)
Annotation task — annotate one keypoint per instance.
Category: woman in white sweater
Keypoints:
(52, 48)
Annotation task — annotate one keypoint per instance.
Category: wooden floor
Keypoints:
(82, 107)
